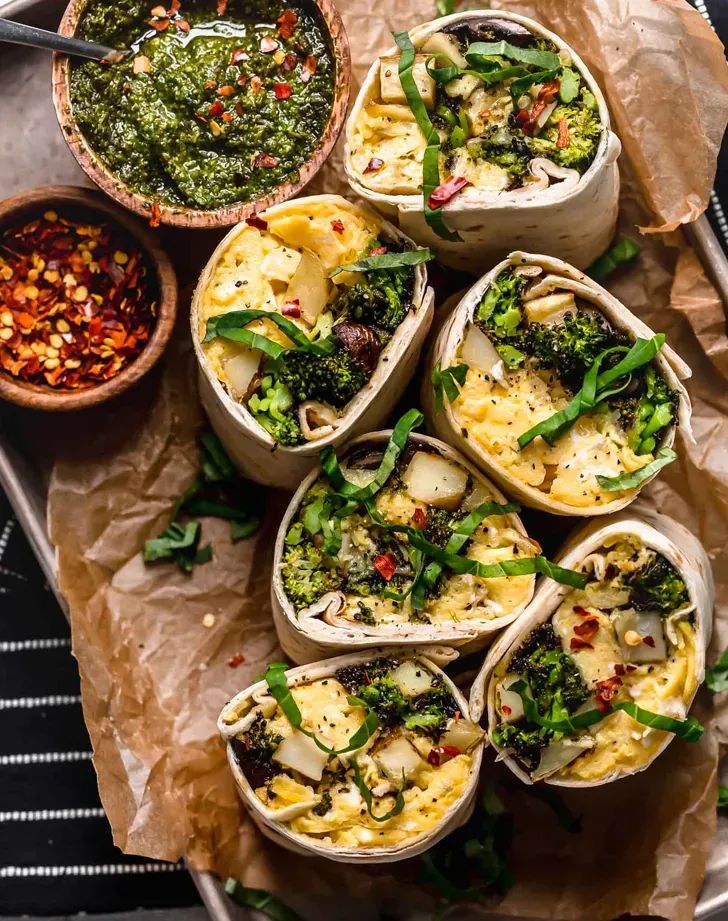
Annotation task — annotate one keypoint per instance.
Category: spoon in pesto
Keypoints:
(19, 33)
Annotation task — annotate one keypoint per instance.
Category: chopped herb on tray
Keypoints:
(216, 106)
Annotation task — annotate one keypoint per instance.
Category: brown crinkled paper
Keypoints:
(154, 677)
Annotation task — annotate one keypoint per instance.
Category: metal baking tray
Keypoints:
(33, 153)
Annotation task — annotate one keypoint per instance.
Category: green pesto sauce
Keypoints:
(154, 130)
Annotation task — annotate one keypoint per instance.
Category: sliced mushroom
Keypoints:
(362, 342)
(558, 754)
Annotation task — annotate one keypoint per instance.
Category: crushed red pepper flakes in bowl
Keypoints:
(78, 302)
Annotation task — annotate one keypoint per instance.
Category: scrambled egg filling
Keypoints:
(264, 269)
(663, 685)
(494, 414)
(332, 810)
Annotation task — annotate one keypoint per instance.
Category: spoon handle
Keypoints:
(19, 33)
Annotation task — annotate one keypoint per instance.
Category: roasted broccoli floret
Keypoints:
(353, 677)
(364, 614)
(306, 574)
(254, 750)
(323, 807)
(499, 312)
(380, 300)
(646, 415)
(271, 406)
(386, 699)
(505, 149)
(657, 586)
(526, 741)
(570, 347)
(581, 131)
(333, 379)
(552, 675)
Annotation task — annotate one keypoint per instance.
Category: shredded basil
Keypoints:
(632, 480)
(232, 326)
(369, 799)
(521, 84)
(386, 261)
(716, 676)
(596, 388)
(275, 678)
(431, 157)
(480, 54)
(620, 253)
(445, 383)
(260, 900)
(689, 729)
(179, 542)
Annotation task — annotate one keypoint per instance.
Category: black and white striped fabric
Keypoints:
(56, 854)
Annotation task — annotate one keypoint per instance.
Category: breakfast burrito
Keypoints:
(352, 563)
(549, 384)
(592, 684)
(365, 758)
(300, 317)
(483, 132)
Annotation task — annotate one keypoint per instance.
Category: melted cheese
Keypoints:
(256, 267)
(434, 791)
(495, 415)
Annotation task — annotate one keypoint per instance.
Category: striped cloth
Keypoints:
(56, 854)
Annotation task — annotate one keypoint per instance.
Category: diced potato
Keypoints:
(412, 679)
(461, 734)
(431, 479)
(309, 286)
(510, 705)
(280, 264)
(463, 86)
(446, 49)
(391, 87)
(300, 753)
(558, 754)
(478, 351)
(541, 308)
(397, 758)
(632, 627)
(240, 370)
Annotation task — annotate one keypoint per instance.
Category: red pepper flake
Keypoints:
(576, 643)
(256, 221)
(200, 118)
(563, 140)
(649, 641)
(605, 691)
(236, 660)
(226, 90)
(256, 84)
(549, 90)
(386, 565)
(222, 7)
(159, 25)
(526, 120)
(282, 90)
(238, 55)
(377, 250)
(618, 669)
(438, 752)
(289, 62)
(265, 160)
(287, 24)
(310, 64)
(216, 109)
(588, 628)
(268, 44)
(506, 709)
(337, 226)
(577, 609)
(182, 25)
(292, 309)
(630, 668)
(77, 302)
(227, 116)
(173, 7)
(419, 517)
(156, 217)
(446, 191)
(374, 165)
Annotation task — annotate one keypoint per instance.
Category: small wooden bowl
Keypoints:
(92, 206)
(178, 215)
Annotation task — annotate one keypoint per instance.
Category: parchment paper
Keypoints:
(154, 677)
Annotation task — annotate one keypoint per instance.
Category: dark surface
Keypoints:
(28, 611)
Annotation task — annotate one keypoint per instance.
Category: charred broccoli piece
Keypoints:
(380, 300)
(323, 807)
(354, 677)
(271, 406)
(570, 347)
(583, 130)
(384, 696)
(499, 312)
(333, 379)
(657, 586)
(505, 149)
(438, 527)
(647, 414)
(254, 752)
(431, 711)
(552, 675)
(306, 574)
(526, 742)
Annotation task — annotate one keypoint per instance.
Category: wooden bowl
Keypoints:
(178, 215)
(92, 206)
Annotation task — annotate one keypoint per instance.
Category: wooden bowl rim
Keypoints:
(44, 198)
(180, 216)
